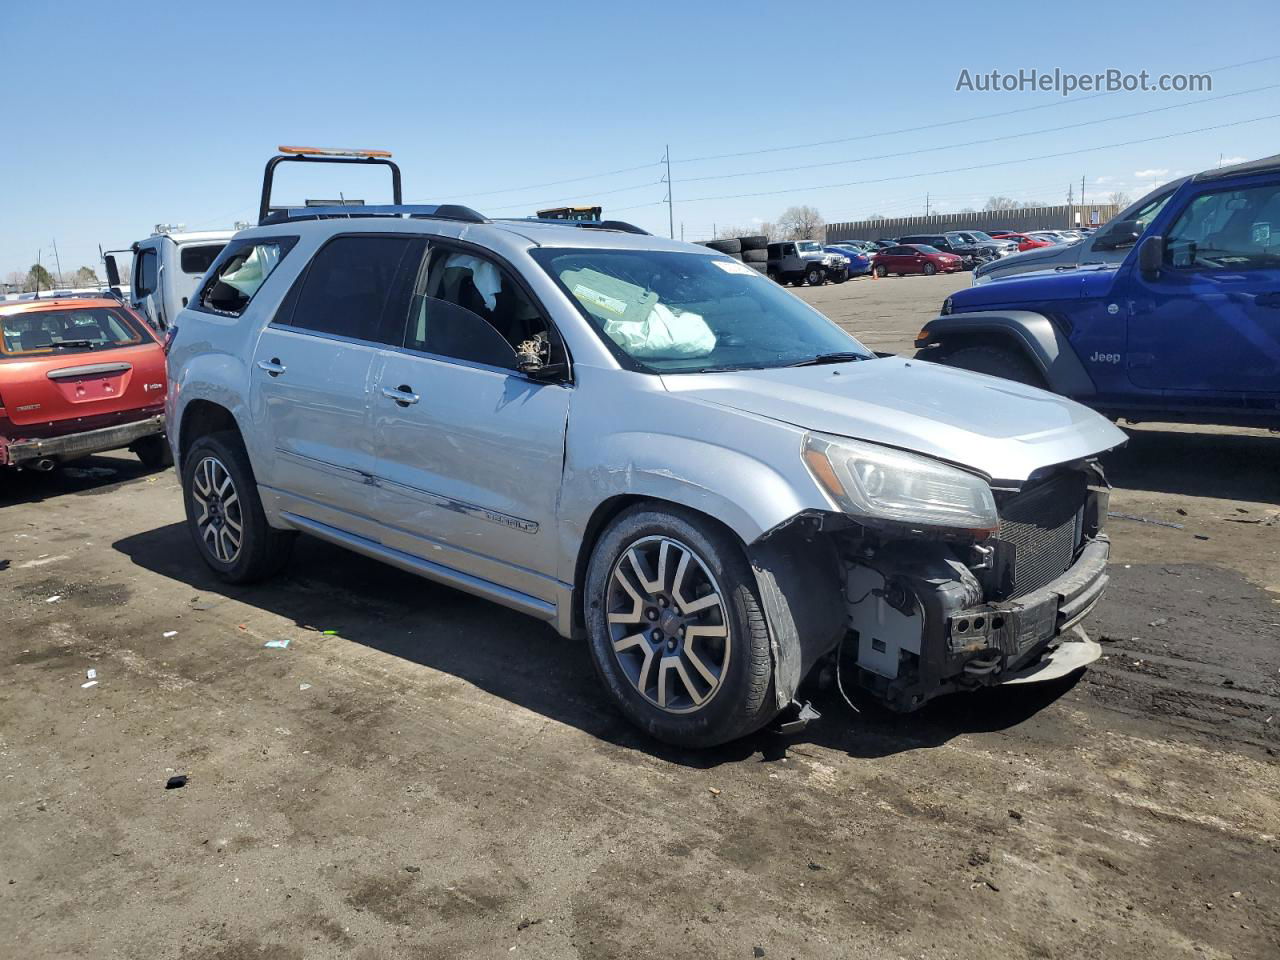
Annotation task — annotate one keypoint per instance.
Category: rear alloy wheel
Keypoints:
(224, 514)
(815, 276)
(882, 271)
(930, 269)
(676, 628)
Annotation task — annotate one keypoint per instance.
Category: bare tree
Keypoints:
(1000, 203)
(84, 277)
(16, 279)
(1118, 199)
(731, 231)
(802, 223)
(876, 216)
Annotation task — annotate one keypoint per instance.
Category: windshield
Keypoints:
(35, 332)
(809, 246)
(979, 235)
(675, 312)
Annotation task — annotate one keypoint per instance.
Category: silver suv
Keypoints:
(644, 443)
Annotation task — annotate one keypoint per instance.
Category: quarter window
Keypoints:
(241, 273)
(347, 289)
(468, 308)
(196, 260)
(1227, 230)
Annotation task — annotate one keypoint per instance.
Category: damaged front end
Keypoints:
(930, 610)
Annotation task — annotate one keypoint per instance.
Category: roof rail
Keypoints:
(443, 211)
(619, 225)
(1263, 165)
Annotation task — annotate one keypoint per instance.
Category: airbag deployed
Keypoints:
(636, 321)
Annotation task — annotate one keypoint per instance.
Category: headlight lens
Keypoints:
(946, 307)
(868, 480)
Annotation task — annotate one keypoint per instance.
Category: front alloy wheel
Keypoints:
(220, 521)
(667, 624)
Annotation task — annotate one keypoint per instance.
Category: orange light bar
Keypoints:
(336, 151)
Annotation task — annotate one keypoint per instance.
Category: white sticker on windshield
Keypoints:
(604, 301)
(733, 266)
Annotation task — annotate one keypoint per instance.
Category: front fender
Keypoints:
(1033, 333)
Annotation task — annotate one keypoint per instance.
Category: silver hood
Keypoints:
(997, 427)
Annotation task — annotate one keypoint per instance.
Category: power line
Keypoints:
(974, 143)
(819, 143)
(982, 166)
(949, 123)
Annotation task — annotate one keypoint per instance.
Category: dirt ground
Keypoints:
(422, 774)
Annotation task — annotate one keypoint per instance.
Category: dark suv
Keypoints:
(1186, 328)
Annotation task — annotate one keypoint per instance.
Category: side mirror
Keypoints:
(113, 272)
(1123, 234)
(535, 369)
(1151, 257)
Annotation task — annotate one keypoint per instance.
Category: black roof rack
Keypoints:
(621, 226)
(443, 211)
(1241, 169)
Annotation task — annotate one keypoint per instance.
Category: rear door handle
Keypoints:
(272, 366)
(403, 395)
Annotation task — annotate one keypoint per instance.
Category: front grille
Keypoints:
(1042, 528)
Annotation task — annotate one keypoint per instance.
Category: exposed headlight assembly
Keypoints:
(880, 483)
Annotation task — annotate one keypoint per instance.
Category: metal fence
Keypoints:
(1019, 221)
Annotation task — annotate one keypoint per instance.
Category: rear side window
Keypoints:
(67, 331)
(239, 274)
(349, 287)
(196, 260)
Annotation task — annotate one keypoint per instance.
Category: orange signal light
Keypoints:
(336, 152)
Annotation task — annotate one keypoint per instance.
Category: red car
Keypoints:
(77, 377)
(1023, 241)
(915, 258)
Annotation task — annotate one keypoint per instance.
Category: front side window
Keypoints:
(669, 312)
(1227, 230)
(346, 290)
(239, 275)
(82, 330)
(144, 270)
(467, 307)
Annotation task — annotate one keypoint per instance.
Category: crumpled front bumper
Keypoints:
(965, 644)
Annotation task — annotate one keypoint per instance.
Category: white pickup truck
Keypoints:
(166, 268)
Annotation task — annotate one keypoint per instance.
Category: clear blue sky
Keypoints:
(119, 119)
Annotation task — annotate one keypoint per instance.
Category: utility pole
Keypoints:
(1071, 203)
(926, 204)
(671, 214)
(57, 263)
(682, 230)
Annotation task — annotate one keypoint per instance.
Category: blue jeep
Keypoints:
(1186, 328)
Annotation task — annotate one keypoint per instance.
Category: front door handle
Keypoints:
(272, 366)
(403, 395)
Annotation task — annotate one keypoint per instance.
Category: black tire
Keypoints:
(994, 361)
(262, 550)
(840, 276)
(881, 271)
(815, 276)
(755, 256)
(730, 245)
(154, 452)
(773, 275)
(754, 243)
(743, 700)
(930, 269)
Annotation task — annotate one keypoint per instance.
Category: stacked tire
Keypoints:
(753, 251)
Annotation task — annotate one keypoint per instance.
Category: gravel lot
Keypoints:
(421, 774)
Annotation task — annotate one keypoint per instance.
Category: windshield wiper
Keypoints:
(841, 357)
(74, 343)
